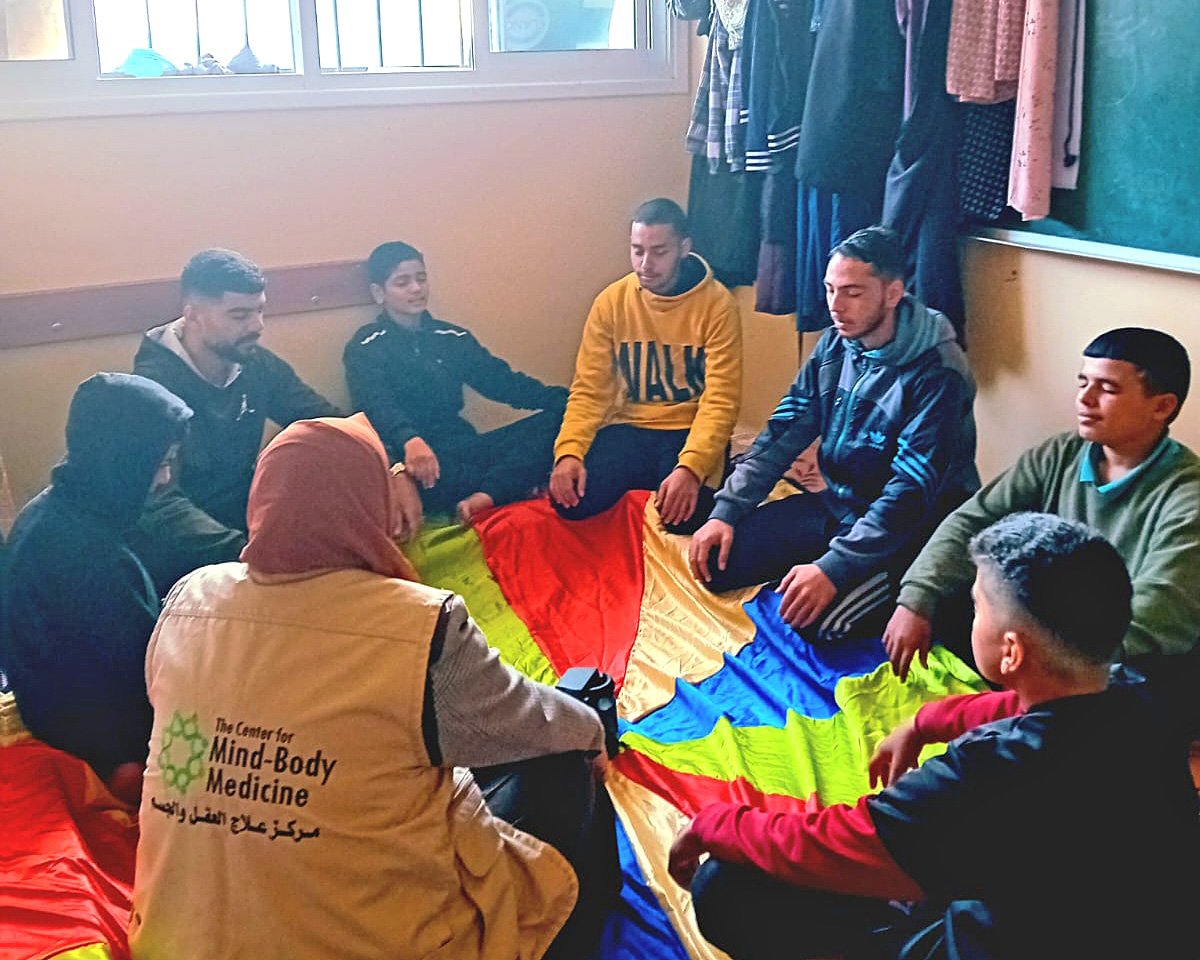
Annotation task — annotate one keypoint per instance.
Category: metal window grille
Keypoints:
(168, 37)
(364, 35)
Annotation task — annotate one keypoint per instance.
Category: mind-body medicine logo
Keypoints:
(181, 752)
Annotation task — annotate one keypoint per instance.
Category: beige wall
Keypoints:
(519, 207)
(1032, 313)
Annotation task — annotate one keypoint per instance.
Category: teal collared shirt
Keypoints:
(1088, 469)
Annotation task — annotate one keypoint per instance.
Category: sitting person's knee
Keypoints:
(711, 899)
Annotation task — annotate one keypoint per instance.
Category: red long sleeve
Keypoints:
(834, 849)
(951, 717)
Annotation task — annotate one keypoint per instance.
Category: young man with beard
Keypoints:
(888, 391)
(211, 358)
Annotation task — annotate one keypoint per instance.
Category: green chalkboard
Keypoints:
(1139, 175)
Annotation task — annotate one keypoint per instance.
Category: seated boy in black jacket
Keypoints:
(406, 371)
(1059, 822)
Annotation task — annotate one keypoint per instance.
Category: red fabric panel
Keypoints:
(949, 718)
(66, 856)
(577, 585)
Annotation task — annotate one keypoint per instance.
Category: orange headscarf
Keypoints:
(322, 500)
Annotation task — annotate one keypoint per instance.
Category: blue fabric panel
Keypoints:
(775, 672)
(637, 929)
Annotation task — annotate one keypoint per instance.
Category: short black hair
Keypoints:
(216, 272)
(1161, 360)
(663, 210)
(878, 246)
(387, 256)
(1064, 576)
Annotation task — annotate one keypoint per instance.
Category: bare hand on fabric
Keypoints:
(897, 753)
(676, 497)
(568, 482)
(684, 859)
(907, 634)
(406, 500)
(806, 593)
(714, 533)
(422, 462)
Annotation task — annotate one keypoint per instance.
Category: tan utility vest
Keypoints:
(289, 808)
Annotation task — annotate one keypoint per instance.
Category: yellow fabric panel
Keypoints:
(652, 824)
(684, 631)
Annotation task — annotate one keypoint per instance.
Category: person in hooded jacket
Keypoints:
(889, 392)
(79, 605)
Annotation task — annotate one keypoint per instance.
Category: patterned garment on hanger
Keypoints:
(732, 14)
(983, 163)
(984, 55)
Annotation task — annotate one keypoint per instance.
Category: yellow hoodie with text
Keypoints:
(661, 363)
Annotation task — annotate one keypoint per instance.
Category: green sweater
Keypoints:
(1153, 519)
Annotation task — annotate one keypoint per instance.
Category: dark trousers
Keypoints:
(753, 916)
(557, 800)
(776, 536)
(772, 539)
(623, 458)
(506, 464)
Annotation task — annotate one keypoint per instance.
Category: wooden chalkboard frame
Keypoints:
(1177, 262)
(1138, 197)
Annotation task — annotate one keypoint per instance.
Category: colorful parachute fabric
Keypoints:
(66, 858)
(719, 700)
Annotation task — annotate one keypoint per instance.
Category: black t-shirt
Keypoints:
(1074, 826)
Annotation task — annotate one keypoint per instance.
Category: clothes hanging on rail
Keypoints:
(921, 193)
(1033, 150)
(778, 48)
(775, 289)
(853, 103)
(732, 14)
(987, 135)
(1068, 95)
(852, 112)
(823, 220)
(710, 132)
(983, 59)
(723, 210)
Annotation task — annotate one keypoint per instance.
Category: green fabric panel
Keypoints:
(451, 558)
(825, 757)
(93, 951)
(875, 703)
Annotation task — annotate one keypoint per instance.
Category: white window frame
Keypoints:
(44, 89)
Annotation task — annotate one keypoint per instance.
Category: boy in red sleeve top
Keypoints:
(1060, 821)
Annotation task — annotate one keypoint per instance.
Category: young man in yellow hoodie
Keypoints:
(657, 382)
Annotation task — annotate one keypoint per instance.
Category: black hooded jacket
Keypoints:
(79, 605)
